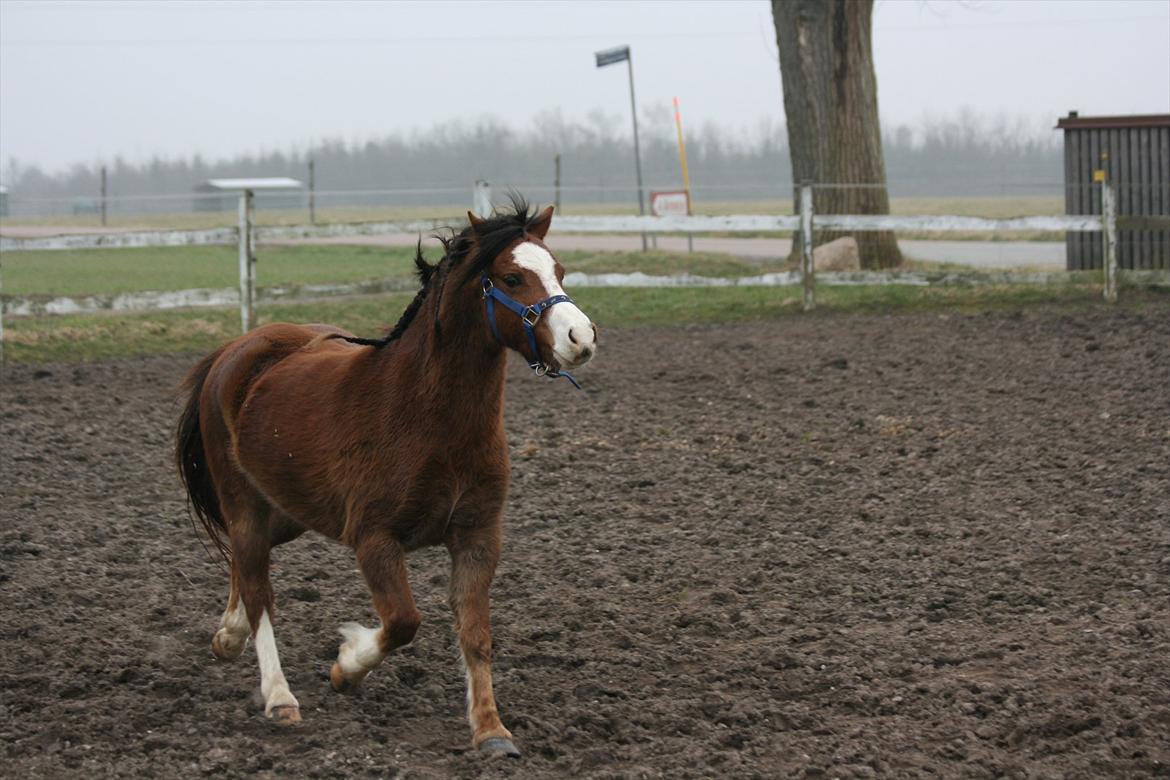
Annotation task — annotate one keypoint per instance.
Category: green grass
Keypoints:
(106, 335)
(112, 271)
(96, 271)
(91, 337)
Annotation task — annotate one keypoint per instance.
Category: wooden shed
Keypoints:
(1134, 153)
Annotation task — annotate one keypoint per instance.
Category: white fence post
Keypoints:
(1109, 235)
(1, 312)
(481, 199)
(807, 268)
(247, 262)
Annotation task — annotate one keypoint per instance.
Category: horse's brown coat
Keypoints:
(384, 448)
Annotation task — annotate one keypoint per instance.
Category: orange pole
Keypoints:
(682, 154)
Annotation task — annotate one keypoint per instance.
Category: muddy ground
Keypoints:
(826, 547)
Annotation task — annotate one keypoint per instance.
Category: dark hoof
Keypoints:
(499, 745)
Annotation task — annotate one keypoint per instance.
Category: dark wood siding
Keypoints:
(1135, 154)
(1072, 152)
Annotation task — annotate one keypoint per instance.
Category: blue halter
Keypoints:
(529, 316)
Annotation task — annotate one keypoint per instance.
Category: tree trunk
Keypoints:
(830, 100)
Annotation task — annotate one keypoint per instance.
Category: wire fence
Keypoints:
(805, 223)
(1040, 196)
(186, 209)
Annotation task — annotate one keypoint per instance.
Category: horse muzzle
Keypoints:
(574, 336)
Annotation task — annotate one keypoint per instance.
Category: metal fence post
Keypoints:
(557, 184)
(1, 312)
(807, 269)
(481, 199)
(104, 193)
(1109, 234)
(312, 191)
(247, 262)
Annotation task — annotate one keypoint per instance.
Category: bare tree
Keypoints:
(830, 101)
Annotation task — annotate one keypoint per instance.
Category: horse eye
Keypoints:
(512, 280)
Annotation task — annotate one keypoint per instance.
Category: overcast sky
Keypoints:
(84, 81)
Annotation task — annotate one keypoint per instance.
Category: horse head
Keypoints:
(524, 278)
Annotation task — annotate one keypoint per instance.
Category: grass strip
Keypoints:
(77, 273)
(72, 338)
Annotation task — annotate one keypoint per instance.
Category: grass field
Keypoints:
(84, 337)
(75, 338)
(111, 271)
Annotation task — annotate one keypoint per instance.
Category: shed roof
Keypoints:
(269, 183)
(1075, 122)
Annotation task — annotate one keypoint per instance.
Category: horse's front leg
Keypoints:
(383, 563)
(474, 553)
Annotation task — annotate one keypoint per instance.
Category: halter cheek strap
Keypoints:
(529, 316)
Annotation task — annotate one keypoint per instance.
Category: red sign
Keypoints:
(669, 203)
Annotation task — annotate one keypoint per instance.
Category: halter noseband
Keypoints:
(529, 316)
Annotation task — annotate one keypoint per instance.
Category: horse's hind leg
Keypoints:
(229, 640)
(383, 564)
(251, 548)
(474, 554)
(234, 629)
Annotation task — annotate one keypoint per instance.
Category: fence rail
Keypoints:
(246, 234)
(595, 224)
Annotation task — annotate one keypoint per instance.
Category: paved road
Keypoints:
(1044, 255)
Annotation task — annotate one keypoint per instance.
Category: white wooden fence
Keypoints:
(246, 234)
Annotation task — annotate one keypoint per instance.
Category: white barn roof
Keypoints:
(271, 183)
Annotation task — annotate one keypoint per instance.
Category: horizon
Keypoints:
(1020, 129)
(83, 84)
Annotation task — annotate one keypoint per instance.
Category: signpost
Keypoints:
(609, 57)
(670, 203)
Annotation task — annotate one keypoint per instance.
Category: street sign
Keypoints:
(610, 56)
(669, 203)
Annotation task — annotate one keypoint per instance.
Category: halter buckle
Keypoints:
(487, 286)
(540, 369)
(531, 316)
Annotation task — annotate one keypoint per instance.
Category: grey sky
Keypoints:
(84, 81)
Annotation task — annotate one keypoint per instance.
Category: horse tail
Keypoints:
(202, 499)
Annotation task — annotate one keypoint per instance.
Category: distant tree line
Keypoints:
(958, 156)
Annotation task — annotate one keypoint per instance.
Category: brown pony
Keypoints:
(386, 445)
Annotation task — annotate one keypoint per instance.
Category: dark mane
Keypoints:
(482, 246)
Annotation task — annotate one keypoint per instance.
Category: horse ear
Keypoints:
(476, 223)
(539, 227)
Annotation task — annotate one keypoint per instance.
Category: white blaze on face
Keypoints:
(571, 330)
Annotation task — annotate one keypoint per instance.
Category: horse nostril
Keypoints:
(572, 338)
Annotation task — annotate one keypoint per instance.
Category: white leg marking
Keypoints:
(272, 682)
(233, 632)
(235, 621)
(470, 692)
(361, 651)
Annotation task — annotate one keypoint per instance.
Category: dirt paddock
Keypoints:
(837, 546)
